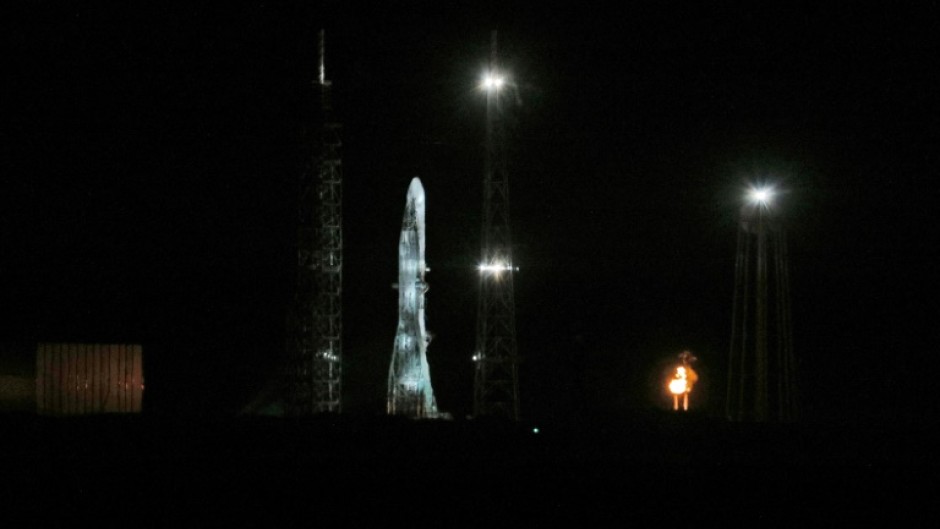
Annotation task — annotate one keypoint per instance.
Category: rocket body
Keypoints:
(409, 377)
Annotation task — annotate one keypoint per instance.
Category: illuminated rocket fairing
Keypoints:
(409, 378)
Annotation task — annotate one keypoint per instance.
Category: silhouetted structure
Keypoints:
(316, 323)
(71, 378)
(761, 364)
(496, 383)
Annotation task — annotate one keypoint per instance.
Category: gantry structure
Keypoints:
(316, 345)
(761, 364)
(496, 380)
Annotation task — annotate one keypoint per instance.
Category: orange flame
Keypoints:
(679, 384)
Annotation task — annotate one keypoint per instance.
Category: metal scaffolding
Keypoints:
(316, 333)
(761, 365)
(496, 382)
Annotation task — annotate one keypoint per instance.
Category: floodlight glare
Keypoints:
(496, 267)
(760, 195)
(492, 81)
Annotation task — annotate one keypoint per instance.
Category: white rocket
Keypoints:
(409, 378)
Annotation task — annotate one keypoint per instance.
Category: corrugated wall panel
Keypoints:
(75, 379)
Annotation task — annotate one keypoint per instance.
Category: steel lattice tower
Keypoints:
(316, 333)
(496, 383)
(761, 364)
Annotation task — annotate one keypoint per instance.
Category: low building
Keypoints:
(71, 378)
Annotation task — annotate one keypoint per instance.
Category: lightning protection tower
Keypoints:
(496, 382)
(761, 364)
(316, 334)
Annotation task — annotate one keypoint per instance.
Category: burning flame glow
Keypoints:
(680, 383)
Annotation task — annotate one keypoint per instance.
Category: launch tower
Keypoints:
(496, 381)
(761, 365)
(316, 323)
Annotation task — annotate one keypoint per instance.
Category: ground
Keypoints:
(163, 471)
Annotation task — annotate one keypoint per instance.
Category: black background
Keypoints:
(151, 154)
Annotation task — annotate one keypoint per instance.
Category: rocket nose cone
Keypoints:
(415, 188)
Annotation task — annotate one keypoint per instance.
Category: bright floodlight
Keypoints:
(760, 195)
(492, 81)
(496, 267)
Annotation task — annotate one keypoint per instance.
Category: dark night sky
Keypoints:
(151, 155)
